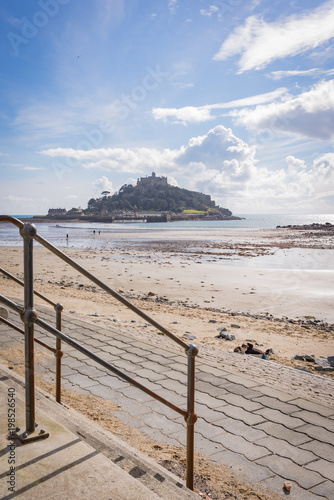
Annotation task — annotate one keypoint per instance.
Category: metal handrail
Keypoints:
(57, 351)
(28, 315)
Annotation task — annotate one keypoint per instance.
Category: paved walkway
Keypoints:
(268, 432)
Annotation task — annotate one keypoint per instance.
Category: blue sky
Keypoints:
(233, 98)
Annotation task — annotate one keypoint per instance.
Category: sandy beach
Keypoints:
(272, 287)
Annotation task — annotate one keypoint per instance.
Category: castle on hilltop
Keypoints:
(152, 180)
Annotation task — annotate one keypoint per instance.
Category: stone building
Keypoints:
(152, 180)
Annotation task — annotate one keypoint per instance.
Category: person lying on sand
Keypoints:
(247, 348)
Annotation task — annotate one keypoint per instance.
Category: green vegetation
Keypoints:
(194, 212)
(154, 198)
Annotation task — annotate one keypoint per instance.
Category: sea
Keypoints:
(84, 235)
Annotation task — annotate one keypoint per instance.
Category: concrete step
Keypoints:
(78, 460)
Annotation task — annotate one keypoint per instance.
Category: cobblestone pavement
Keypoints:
(269, 423)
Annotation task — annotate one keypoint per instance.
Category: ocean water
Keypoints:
(81, 235)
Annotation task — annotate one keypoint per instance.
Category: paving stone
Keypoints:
(131, 406)
(295, 438)
(240, 414)
(65, 370)
(94, 342)
(103, 392)
(91, 371)
(324, 468)
(112, 350)
(241, 390)
(240, 465)
(174, 398)
(277, 404)
(203, 445)
(209, 401)
(209, 377)
(76, 388)
(316, 419)
(80, 380)
(133, 358)
(314, 407)
(159, 407)
(164, 353)
(238, 444)
(173, 385)
(179, 376)
(284, 449)
(135, 423)
(322, 450)
(207, 430)
(157, 436)
(236, 400)
(112, 382)
(150, 374)
(138, 351)
(162, 368)
(274, 393)
(137, 394)
(163, 424)
(239, 428)
(317, 433)
(155, 358)
(76, 354)
(106, 356)
(210, 370)
(209, 388)
(289, 470)
(276, 484)
(240, 380)
(208, 414)
(325, 489)
(281, 418)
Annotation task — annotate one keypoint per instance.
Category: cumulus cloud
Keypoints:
(310, 114)
(103, 184)
(192, 114)
(222, 164)
(260, 42)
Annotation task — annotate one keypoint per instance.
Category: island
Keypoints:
(152, 199)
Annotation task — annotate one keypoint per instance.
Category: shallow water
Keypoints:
(104, 236)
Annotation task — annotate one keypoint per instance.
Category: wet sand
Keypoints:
(194, 285)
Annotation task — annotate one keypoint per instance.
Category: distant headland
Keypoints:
(152, 199)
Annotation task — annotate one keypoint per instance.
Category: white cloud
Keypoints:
(223, 165)
(19, 198)
(32, 168)
(210, 11)
(192, 114)
(103, 184)
(310, 114)
(172, 4)
(260, 42)
(278, 75)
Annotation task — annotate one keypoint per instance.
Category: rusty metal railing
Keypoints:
(58, 353)
(29, 317)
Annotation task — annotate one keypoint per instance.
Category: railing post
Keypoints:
(29, 316)
(58, 354)
(191, 415)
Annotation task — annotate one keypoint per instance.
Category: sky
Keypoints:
(232, 98)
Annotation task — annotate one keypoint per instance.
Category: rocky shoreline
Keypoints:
(307, 227)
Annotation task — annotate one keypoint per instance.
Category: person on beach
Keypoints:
(248, 348)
